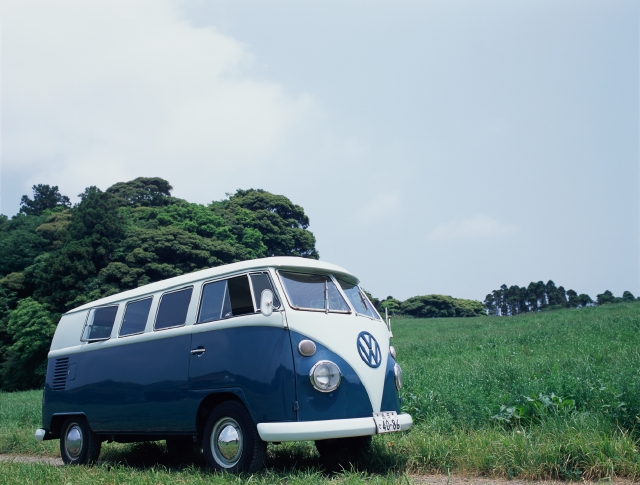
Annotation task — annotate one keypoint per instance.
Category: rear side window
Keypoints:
(135, 317)
(173, 309)
(358, 299)
(313, 292)
(100, 323)
(225, 299)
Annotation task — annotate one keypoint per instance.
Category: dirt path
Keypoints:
(32, 459)
(417, 479)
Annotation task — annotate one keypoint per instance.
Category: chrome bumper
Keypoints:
(322, 430)
(40, 434)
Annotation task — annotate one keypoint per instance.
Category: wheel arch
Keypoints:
(55, 425)
(212, 400)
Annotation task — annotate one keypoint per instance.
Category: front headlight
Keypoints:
(397, 371)
(325, 376)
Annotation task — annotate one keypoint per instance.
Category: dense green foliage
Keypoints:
(440, 306)
(429, 306)
(514, 300)
(54, 257)
(542, 395)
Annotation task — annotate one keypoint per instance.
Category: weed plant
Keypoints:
(546, 395)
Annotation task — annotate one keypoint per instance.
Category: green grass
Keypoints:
(481, 394)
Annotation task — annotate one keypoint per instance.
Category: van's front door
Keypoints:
(236, 349)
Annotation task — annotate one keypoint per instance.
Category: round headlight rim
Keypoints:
(313, 382)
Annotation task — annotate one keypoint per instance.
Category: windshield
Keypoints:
(358, 299)
(313, 292)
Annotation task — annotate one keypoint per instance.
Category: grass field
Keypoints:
(550, 395)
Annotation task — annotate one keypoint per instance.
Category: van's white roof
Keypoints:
(279, 262)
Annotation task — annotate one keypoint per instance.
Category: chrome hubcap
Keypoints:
(226, 442)
(73, 442)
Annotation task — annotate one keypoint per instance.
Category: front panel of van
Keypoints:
(367, 379)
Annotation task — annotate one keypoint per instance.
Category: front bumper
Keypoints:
(322, 430)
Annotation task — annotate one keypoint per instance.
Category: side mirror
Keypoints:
(266, 302)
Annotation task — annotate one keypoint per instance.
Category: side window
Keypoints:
(173, 309)
(261, 282)
(100, 323)
(135, 317)
(225, 299)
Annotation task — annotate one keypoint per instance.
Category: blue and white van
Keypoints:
(269, 350)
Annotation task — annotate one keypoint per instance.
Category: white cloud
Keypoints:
(479, 227)
(378, 208)
(105, 91)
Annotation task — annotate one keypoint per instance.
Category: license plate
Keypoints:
(387, 422)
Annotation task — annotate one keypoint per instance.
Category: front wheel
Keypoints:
(231, 441)
(78, 444)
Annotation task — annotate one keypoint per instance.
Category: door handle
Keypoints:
(199, 351)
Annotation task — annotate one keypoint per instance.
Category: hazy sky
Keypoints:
(437, 147)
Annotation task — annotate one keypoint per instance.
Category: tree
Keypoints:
(96, 227)
(628, 296)
(44, 197)
(391, 304)
(143, 191)
(535, 297)
(606, 297)
(31, 327)
(282, 224)
(441, 306)
(585, 300)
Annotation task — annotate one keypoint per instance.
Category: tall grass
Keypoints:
(549, 395)
(460, 372)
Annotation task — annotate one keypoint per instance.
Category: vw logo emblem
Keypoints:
(369, 349)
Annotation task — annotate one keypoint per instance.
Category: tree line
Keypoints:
(429, 306)
(514, 300)
(55, 256)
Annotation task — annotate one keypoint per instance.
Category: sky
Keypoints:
(437, 146)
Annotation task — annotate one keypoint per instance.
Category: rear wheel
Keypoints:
(231, 441)
(340, 453)
(78, 444)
